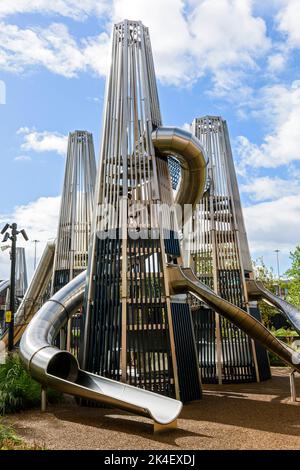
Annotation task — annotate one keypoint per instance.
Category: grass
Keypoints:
(18, 391)
(9, 440)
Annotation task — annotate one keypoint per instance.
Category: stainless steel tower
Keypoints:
(73, 234)
(76, 208)
(134, 331)
(221, 259)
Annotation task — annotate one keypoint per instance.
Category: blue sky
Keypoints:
(235, 58)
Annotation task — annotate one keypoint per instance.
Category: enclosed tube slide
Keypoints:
(192, 157)
(184, 280)
(60, 370)
(256, 290)
(31, 299)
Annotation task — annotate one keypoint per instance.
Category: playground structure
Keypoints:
(220, 256)
(142, 337)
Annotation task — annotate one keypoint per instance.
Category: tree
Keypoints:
(294, 275)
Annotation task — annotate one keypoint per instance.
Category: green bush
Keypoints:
(18, 391)
(285, 333)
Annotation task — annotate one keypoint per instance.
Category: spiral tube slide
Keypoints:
(184, 280)
(60, 370)
(192, 157)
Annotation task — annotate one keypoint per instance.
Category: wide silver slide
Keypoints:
(4, 285)
(257, 290)
(60, 370)
(185, 280)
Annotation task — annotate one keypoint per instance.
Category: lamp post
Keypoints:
(12, 304)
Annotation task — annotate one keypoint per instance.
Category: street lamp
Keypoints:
(278, 271)
(11, 232)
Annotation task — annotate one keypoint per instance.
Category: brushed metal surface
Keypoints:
(60, 369)
(185, 280)
(192, 157)
(257, 290)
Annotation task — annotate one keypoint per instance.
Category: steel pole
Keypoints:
(12, 286)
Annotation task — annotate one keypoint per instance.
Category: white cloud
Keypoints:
(22, 158)
(53, 48)
(40, 219)
(281, 110)
(189, 39)
(78, 10)
(192, 38)
(274, 225)
(288, 19)
(186, 127)
(267, 188)
(276, 62)
(43, 141)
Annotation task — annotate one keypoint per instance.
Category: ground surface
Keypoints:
(249, 416)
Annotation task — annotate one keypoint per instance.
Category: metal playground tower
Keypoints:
(221, 259)
(138, 335)
(71, 250)
(134, 330)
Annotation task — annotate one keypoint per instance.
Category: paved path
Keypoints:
(249, 416)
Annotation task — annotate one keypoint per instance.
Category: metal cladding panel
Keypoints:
(204, 321)
(187, 363)
(104, 328)
(149, 361)
(261, 353)
(172, 246)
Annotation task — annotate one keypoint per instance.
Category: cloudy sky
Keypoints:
(235, 58)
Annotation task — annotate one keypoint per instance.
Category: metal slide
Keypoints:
(60, 370)
(4, 285)
(184, 280)
(257, 291)
(30, 302)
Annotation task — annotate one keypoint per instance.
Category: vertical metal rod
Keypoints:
(43, 398)
(293, 386)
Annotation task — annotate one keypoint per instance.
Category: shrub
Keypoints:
(18, 391)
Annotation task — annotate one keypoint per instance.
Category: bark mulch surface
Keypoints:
(247, 416)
